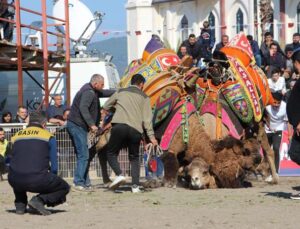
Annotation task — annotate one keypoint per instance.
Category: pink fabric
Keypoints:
(174, 125)
(211, 107)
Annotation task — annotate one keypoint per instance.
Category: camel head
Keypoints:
(199, 174)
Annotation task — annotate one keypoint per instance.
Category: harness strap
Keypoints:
(219, 119)
(185, 121)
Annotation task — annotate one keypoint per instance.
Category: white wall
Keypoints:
(166, 17)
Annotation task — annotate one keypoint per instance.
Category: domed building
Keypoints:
(174, 20)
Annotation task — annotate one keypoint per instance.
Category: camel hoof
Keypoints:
(272, 180)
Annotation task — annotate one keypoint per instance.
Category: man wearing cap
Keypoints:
(293, 112)
(33, 168)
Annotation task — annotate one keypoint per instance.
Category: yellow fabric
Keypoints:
(32, 133)
(3, 146)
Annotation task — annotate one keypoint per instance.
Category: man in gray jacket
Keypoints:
(133, 114)
(85, 116)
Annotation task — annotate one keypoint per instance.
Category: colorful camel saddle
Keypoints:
(182, 112)
(162, 84)
(248, 93)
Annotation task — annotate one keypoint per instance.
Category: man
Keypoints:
(7, 11)
(133, 114)
(293, 112)
(206, 41)
(288, 93)
(85, 116)
(182, 52)
(29, 168)
(276, 125)
(57, 109)
(255, 50)
(265, 45)
(193, 48)
(277, 82)
(22, 115)
(274, 60)
(295, 44)
(224, 42)
(4, 152)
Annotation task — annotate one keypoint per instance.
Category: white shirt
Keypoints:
(279, 85)
(278, 118)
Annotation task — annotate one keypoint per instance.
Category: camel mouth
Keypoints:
(196, 187)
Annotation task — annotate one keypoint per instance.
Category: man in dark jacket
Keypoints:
(85, 116)
(296, 43)
(224, 42)
(33, 148)
(193, 48)
(206, 41)
(293, 112)
(255, 50)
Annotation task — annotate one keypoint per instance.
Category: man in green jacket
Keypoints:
(133, 114)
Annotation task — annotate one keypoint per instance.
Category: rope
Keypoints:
(152, 151)
(185, 121)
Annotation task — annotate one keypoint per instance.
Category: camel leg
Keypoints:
(171, 167)
(103, 164)
(263, 139)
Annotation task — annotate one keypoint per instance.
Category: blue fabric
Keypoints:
(53, 155)
(79, 137)
(159, 171)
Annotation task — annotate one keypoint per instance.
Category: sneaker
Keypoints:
(295, 196)
(107, 184)
(81, 188)
(20, 208)
(135, 189)
(119, 180)
(37, 204)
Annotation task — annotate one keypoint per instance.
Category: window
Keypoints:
(298, 18)
(211, 20)
(184, 28)
(239, 21)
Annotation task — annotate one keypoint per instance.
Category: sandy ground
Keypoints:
(262, 206)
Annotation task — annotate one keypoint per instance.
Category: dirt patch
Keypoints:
(262, 206)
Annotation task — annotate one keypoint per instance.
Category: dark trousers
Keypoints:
(275, 140)
(51, 188)
(123, 136)
(3, 168)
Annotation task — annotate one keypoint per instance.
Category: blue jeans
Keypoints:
(79, 137)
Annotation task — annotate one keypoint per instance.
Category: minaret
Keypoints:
(139, 25)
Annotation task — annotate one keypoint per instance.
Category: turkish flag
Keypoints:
(167, 60)
(138, 33)
(290, 24)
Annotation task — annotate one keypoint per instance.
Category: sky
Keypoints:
(114, 19)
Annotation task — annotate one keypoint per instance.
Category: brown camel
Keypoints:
(259, 133)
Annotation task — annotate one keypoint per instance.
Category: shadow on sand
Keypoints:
(283, 195)
(34, 212)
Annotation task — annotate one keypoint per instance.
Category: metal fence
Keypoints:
(66, 153)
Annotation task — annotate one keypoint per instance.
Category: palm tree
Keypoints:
(266, 15)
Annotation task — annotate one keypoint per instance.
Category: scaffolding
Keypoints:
(16, 56)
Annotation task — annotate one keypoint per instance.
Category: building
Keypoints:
(173, 20)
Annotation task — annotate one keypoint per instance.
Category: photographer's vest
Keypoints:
(30, 151)
(3, 146)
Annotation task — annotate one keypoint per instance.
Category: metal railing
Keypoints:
(66, 153)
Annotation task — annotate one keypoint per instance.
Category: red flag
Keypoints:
(291, 24)
(138, 33)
